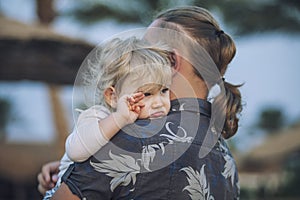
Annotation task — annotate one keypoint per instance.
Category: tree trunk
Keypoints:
(45, 11)
(59, 118)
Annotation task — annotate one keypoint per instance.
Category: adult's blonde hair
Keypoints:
(201, 26)
(131, 59)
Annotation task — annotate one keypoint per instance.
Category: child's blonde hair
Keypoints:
(119, 60)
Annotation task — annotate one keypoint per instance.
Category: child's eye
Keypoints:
(165, 90)
(146, 94)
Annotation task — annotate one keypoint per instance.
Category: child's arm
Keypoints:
(95, 127)
(128, 110)
(86, 137)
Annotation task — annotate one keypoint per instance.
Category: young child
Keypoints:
(133, 79)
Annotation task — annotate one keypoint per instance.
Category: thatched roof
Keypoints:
(22, 162)
(274, 152)
(35, 52)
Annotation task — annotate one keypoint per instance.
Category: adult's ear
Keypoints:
(175, 61)
(110, 96)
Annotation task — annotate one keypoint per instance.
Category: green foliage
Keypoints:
(247, 16)
(271, 119)
(133, 11)
(290, 188)
(243, 16)
(5, 108)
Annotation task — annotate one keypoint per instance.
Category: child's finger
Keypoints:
(138, 96)
(136, 109)
(139, 104)
(135, 98)
(130, 100)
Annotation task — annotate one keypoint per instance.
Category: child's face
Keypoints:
(156, 101)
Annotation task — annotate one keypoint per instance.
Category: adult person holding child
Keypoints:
(193, 173)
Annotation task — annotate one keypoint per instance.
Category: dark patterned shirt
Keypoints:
(160, 159)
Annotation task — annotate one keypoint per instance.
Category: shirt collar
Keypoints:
(192, 105)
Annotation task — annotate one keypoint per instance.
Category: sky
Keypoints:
(267, 64)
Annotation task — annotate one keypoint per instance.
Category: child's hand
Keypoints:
(129, 107)
(134, 103)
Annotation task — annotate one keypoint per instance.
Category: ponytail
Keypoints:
(233, 109)
(233, 100)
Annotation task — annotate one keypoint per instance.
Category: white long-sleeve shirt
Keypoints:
(86, 138)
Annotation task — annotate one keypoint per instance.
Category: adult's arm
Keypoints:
(64, 193)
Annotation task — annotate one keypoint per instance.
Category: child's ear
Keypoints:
(110, 96)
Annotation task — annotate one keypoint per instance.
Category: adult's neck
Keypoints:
(179, 91)
(186, 84)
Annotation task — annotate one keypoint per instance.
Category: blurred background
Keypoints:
(43, 43)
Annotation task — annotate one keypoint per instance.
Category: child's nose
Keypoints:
(157, 101)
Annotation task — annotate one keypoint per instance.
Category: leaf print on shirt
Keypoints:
(222, 146)
(123, 169)
(173, 137)
(180, 108)
(229, 168)
(149, 152)
(198, 187)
